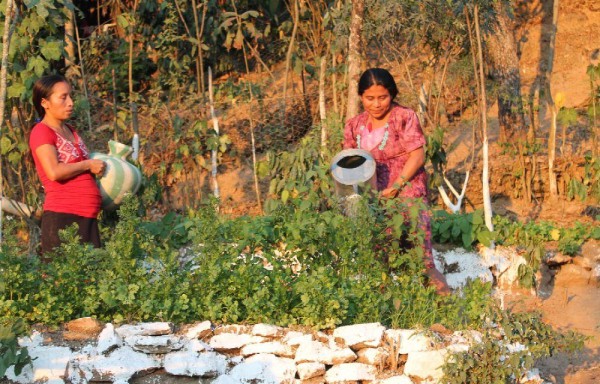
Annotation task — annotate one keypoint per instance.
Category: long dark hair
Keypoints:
(42, 89)
(377, 76)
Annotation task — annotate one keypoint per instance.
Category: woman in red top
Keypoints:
(394, 137)
(63, 165)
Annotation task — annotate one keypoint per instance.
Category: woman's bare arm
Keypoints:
(57, 171)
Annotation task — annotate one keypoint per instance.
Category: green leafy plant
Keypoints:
(510, 345)
(593, 72)
(589, 184)
(461, 229)
(297, 175)
(436, 154)
(36, 45)
(532, 237)
(11, 353)
(571, 239)
(298, 265)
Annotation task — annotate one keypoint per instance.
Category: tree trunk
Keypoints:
(288, 56)
(501, 51)
(199, 62)
(485, 178)
(550, 103)
(354, 57)
(8, 29)
(70, 43)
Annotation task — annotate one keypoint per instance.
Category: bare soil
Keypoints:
(571, 303)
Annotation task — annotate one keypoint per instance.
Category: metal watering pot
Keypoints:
(353, 172)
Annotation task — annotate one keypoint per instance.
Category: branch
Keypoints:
(454, 207)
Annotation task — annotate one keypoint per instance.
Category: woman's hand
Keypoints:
(390, 192)
(96, 166)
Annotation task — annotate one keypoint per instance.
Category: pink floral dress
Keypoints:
(403, 134)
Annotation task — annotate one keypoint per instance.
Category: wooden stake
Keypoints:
(85, 90)
(216, 128)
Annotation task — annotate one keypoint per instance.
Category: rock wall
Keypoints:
(200, 353)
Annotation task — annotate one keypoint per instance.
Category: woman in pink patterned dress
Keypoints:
(394, 137)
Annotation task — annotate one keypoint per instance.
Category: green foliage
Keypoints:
(298, 265)
(468, 229)
(593, 72)
(530, 236)
(510, 345)
(571, 239)
(533, 236)
(436, 154)
(36, 43)
(589, 184)
(461, 229)
(36, 46)
(239, 91)
(11, 354)
(301, 176)
(175, 53)
(116, 63)
(567, 116)
(235, 25)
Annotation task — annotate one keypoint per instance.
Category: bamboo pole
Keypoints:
(69, 46)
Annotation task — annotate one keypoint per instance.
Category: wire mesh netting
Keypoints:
(277, 122)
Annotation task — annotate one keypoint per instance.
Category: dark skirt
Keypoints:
(52, 222)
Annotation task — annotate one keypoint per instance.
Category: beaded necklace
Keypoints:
(384, 140)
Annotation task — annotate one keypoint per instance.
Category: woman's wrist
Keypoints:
(401, 182)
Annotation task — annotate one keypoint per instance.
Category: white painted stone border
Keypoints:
(241, 354)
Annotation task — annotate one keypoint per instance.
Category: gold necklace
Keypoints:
(62, 131)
